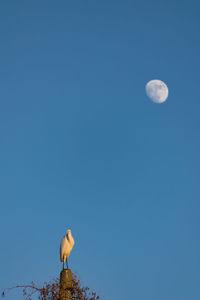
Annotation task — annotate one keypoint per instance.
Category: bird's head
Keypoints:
(68, 231)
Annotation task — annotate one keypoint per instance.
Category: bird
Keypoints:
(66, 246)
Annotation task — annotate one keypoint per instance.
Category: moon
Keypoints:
(157, 91)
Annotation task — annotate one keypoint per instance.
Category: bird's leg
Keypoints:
(67, 264)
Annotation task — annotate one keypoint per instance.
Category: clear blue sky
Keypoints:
(82, 147)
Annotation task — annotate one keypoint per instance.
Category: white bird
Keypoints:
(66, 246)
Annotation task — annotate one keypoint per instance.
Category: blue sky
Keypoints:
(82, 146)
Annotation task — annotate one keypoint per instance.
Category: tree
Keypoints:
(52, 291)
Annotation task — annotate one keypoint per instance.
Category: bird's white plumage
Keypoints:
(66, 246)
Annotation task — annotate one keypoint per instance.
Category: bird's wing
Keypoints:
(63, 248)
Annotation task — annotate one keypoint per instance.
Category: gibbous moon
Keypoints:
(157, 91)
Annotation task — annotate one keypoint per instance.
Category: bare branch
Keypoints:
(52, 290)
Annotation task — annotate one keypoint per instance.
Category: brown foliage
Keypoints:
(52, 291)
